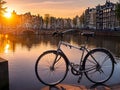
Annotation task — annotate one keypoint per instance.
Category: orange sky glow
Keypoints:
(57, 8)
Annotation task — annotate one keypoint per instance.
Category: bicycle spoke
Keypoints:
(59, 64)
(106, 66)
(103, 70)
(61, 68)
(58, 58)
(91, 61)
(46, 72)
(48, 63)
(91, 71)
(105, 60)
(43, 69)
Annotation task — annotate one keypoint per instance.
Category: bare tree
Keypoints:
(2, 10)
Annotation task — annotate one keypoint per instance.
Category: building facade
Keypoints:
(102, 17)
(90, 18)
(105, 16)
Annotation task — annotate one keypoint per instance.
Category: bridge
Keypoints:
(18, 31)
(21, 31)
(26, 31)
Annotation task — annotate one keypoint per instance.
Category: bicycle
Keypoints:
(52, 66)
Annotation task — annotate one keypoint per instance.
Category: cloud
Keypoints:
(59, 1)
(60, 7)
(37, 1)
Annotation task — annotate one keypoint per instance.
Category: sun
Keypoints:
(8, 14)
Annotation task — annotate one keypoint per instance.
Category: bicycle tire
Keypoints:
(94, 71)
(53, 76)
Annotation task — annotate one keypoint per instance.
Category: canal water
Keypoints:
(23, 51)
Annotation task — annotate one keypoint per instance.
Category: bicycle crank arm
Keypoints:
(80, 77)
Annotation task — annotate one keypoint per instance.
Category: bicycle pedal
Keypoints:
(79, 79)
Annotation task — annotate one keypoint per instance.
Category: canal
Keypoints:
(23, 51)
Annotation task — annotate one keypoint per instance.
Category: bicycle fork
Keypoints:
(80, 77)
(57, 58)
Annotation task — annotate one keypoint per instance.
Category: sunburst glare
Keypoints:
(8, 14)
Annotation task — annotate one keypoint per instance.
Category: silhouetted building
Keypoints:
(105, 16)
(90, 18)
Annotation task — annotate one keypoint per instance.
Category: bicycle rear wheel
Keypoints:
(98, 65)
(50, 74)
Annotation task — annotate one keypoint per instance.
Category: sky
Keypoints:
(57, 8)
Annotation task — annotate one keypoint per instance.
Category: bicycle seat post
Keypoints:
(86, 41)
(61, 36)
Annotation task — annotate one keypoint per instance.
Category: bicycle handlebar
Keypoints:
(87, 34)
(57, 33)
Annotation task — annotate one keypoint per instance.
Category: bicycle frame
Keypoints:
(83, 48)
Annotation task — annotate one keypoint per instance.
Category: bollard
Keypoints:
(4, 75)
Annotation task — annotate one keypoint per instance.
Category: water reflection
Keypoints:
(65, 87)
(9, 43)
(5, 44)
(22, 52)
(100, 87)
(52, 88)
(29, 41)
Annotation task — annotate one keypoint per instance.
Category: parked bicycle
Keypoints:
(52, 66)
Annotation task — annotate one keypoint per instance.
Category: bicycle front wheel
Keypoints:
(51, 68)
(98, 65)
